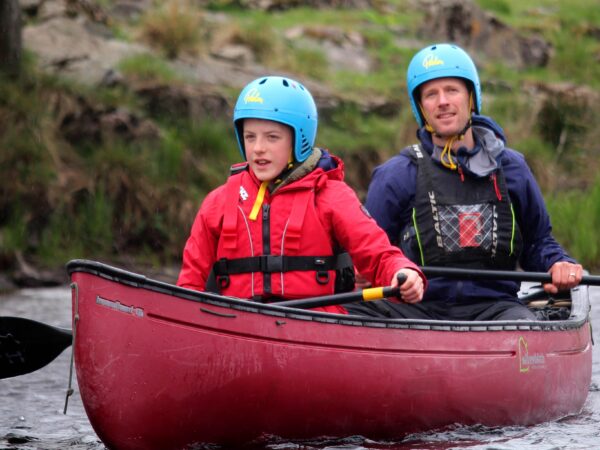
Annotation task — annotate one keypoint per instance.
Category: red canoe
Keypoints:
(161, 367)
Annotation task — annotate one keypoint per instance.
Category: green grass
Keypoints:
(147, 67)
(368, 133)
(576, 220)
(174, 28)
(568, 26)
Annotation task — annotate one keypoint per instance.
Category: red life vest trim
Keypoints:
(229, 229)
(293, 232)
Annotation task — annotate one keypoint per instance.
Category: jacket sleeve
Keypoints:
(540, 249)
(358, 233)
(391, 195)
(199, 253)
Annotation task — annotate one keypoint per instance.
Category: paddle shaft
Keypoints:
(473, 274)
(366, 295)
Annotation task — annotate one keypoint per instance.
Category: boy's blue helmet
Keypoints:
(441, 61)
(282, 100)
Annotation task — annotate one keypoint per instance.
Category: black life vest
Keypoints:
(462, 221)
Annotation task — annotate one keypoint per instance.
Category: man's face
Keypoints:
(445, 103)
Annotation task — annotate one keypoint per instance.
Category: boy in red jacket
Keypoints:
(285, 225)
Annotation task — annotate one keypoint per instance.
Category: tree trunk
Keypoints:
(10, 37)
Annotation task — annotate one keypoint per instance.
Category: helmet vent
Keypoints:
(285, 83)
(263, 81)
(305, 143)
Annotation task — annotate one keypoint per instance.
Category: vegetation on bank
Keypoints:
(134, 201)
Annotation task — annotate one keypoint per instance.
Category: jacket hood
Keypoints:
(481, 160)
(320, 165)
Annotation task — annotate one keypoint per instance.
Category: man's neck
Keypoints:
(467, 141)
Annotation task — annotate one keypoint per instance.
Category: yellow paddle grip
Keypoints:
(371, 294)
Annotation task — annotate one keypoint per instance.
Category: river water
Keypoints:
(31, 406)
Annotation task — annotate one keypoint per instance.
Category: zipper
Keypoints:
(266, 236)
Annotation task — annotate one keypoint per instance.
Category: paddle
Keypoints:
(27, 345)
(473, 274)
(366, 295)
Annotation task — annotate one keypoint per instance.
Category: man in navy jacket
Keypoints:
(461, 198)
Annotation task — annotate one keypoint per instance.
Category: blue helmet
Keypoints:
(281, 100)
(441, 61)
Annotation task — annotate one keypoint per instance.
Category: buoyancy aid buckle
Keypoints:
(223, 281)
(271, 264)
(322, 276)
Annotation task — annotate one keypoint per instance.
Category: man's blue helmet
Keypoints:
(441, 61)
(281, 100)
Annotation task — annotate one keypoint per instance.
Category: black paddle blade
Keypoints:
(27, 345)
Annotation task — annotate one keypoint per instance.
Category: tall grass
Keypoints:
(174, 28)
(148, 67)
(576, 220)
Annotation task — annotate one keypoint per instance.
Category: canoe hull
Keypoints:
(159, 367)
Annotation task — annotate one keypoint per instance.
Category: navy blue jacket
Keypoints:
(391, 195)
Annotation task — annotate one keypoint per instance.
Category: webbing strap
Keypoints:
(229, 229)
(271, 264)
(293, 230)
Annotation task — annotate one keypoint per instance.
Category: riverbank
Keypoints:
(28, 276)
(109, 144)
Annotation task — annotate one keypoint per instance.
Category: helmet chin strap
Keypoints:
(446, 155)
(285, 172)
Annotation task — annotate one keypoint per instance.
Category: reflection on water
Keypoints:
(31, 410)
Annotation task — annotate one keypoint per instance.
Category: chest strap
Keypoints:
(276, 264)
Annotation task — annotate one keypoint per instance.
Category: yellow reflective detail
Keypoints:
(259, 200)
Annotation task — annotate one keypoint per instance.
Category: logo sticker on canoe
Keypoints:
(527, 361)
(118, 306)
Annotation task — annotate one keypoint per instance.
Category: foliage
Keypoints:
(174, 28)
(576, 219)
(61, 200)
(146, 67)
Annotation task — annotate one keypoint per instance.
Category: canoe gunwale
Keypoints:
(579, 311)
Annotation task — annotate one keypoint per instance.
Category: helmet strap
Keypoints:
(285, 172)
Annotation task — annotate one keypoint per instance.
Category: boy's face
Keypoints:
(268, 147)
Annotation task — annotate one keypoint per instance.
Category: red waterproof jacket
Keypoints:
(308, 216)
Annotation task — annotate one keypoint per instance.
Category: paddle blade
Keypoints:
(27, 345)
